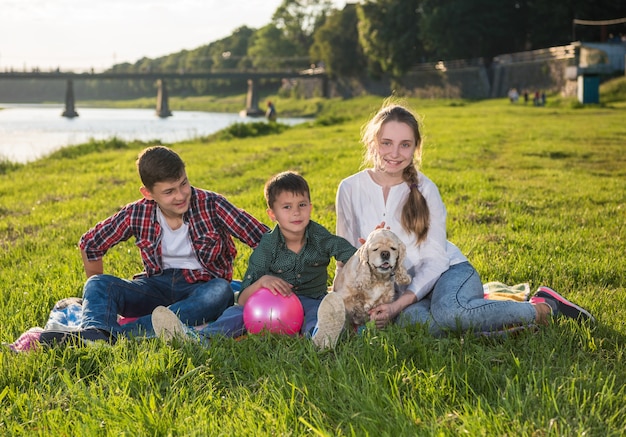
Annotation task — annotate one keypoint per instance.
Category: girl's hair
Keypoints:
(415, 213)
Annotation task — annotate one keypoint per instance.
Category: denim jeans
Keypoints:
(230, 323)
(457, 303)
(106, 296)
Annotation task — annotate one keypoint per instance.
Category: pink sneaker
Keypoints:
(560, 305)
(27, 341)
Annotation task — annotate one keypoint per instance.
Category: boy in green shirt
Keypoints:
(291, 258)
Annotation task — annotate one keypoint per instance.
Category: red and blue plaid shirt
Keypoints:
(212, 219)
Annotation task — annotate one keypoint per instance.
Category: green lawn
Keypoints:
(533, 195)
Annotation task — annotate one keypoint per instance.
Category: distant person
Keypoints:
(184, 235)
(292, 258)
(525, 97)
(271, 111)
(513, 95)
(614, 38)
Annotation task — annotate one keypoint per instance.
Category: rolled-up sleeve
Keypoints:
(105, 234)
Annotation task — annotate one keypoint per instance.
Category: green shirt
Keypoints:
(306, 271)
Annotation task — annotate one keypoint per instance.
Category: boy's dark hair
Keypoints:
(286, 181)
(159, 164)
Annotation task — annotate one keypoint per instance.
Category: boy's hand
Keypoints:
(275, 285)
(272, 283)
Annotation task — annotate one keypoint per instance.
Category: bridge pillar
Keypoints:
(252, 101)
(70, 110)
(162, 106)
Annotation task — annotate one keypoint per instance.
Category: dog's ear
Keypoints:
(402, 276)
(401, 248)
(363, 252)
(362, 274)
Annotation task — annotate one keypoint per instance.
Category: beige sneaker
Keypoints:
(166, 324)
(331, 317)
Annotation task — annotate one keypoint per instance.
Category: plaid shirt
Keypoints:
(212, 221)
(306, 271)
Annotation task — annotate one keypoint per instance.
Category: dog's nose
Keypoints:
(384, 255)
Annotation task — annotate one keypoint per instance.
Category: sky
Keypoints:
(79, 35)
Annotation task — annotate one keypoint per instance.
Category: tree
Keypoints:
(389, 34)
(232, 52)
(336, 44)
(552, 21)
(459, 29)
(298, 20)
(270, 49)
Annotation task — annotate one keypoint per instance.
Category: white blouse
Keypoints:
(361, 207)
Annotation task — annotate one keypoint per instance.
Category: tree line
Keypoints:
(372, 38)
(390, 36)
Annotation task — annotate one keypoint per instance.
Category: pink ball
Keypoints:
(273, 312)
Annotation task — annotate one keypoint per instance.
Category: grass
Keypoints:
(533, 195)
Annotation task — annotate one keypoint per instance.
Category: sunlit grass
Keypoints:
(533, 195)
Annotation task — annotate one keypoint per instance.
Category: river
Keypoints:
(29, 132)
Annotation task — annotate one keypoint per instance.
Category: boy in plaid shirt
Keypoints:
(184, 235)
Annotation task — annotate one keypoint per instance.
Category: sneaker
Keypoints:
(28, 341)
(84, 337)
(560, 305)
(331, 317)
(167, 325)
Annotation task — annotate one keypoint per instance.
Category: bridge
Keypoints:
(162, 106)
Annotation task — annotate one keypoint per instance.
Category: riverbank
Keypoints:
(286, 107)
(612, 92)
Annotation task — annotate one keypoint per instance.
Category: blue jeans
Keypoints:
(106, 296)
(457, 303)
(230, 323)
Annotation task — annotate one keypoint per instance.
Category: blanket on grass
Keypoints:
(66, 315)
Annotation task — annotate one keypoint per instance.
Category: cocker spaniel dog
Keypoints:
(367, 279)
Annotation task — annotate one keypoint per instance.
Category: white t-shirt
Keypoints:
(361, 207)
(176, 249)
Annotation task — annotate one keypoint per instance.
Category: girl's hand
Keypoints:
(386, 313)
(382, 315)
(380, 226)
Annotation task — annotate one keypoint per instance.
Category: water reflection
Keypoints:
(28, 132)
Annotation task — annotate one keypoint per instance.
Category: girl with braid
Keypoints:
(446, 292)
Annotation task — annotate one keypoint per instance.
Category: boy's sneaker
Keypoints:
(167, 325)
(331, 317)
(83, 337)
(28, 341)
(560, 305)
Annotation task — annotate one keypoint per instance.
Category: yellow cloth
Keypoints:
(500, 291)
